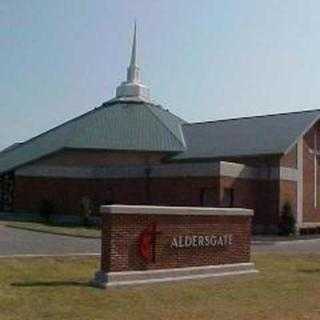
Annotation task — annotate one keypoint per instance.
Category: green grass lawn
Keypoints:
(287, 287)
(68, 230)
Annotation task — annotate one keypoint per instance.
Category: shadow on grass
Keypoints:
(310, 270)
(51, 284)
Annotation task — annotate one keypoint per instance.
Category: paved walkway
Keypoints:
(310, 245)
(20, 242)
(23, 242)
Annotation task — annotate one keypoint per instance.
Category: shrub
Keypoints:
(46, 209)
(86, 210)
(287, 225)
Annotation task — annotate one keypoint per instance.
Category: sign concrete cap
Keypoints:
(166, 210)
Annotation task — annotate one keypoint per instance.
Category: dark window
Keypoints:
(228, 197)
(109, 197)
(208, 197)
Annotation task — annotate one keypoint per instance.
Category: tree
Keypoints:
(287, 225)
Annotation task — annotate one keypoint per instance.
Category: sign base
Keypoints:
(126, 278)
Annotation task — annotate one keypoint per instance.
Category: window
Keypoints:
(108, 196)
(208, 197)
(228, 197)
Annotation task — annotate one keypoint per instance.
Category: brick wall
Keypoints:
(289, 160)
(99, 158)
(288, 193)
(244, 191)
(66, 194)
(310, 212)
(260, 195)
(183, 191)
(120, 241)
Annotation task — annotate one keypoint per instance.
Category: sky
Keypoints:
(203, 60)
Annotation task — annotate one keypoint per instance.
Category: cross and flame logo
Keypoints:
(147, 243)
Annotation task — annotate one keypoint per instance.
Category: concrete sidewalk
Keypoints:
(24, 242)
(303, 244)
(256, 239)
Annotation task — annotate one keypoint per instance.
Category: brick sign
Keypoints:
(151, 244)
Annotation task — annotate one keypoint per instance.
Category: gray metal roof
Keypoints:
(261, 135)
(116, 125)
(134, 125)
(11, 147)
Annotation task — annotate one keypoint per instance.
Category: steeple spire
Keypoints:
(133, 69)
(134, 46)
(132, 87)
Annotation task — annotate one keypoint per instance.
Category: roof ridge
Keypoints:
(250, 117)
(183, 143)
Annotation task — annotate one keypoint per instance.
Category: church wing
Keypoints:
(262, 135)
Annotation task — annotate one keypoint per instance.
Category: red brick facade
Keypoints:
(100, 158)
(120, 241)
(290, 160)
(66, 194)
(288, 194)
(311, 210)
(261, 196)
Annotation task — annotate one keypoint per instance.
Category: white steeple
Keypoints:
(132, 87)
(133, 69)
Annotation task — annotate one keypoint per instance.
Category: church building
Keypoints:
(130, 150)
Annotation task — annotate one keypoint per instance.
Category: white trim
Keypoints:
(300, 183)
(315, 168)
(164, 210)
(185, 269)
(289, 174)
(108, 279)
(237, 170)
(310, 225)
(181, 278)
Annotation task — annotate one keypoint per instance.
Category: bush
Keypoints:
(287, 225)
(86, 210)
(46, 209)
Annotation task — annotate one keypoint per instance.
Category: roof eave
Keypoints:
(14, 168)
